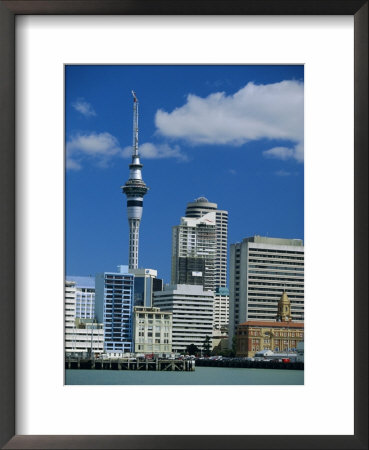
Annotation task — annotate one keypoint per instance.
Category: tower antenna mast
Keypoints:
(135, 189)
(135, 124)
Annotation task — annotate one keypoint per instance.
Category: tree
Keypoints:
(192, 349)
(206, 346)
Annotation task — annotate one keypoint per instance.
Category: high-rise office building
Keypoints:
(192, 309)
(114, 307)
(135, 189)
(145, 283)
(261, 268)
(85, 296)
(221, 308)
(199, 208)
(194, 250)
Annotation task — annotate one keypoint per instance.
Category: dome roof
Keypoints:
(202, 199)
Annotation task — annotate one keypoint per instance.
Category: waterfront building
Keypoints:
(221, 308)
(193, 251)
(260, 269)
(220, 339)
(85, 296)
(82, 335)
(114, 307)
(152, 330)
(145, 283)
(282, 335)
(135, 189)
(199, 208)
(192, 309)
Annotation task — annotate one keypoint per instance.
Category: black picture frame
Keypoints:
(8, 12)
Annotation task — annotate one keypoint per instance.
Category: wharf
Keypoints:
(126, 364)
(265, 364)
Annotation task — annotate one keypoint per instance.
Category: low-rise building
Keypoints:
(152, 330)
(279, 336)
(81, 335)
(86, 336)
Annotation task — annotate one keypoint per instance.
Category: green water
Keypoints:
(202, 375)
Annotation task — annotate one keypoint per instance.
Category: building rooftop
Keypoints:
(82, 282)
(274, 241)
(265, 323)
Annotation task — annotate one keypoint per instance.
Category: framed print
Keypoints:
(38, 41)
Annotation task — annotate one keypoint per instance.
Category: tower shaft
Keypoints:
(135, 189)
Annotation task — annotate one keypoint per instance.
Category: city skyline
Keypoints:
(249, 163)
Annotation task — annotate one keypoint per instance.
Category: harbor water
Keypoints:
(201, 376)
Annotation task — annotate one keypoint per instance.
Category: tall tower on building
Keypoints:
(135, 188)
(199, 208)
(284, 309)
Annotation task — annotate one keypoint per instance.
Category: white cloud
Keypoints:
(98, 147)
(71, 164)
(149, 150)
(84, 107)
(101, 148)
(282, 173)
(272, 111)
(284, 153)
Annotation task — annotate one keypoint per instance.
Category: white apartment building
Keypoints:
(192, 309)
(81, 335)
(152, 330)
(85, 296)
(261, 268)
(193, 251)
(221, 308)
(199, 208)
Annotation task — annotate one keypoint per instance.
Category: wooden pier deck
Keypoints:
(125, 364)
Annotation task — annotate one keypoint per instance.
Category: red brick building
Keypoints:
(281, 335)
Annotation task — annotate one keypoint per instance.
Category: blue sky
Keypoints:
(233, 134)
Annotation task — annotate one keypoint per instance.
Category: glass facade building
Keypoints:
(114, 308)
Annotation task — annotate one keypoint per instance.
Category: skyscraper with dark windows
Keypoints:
(198, 208)
(193, 252)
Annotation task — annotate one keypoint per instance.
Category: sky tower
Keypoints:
(135, 188)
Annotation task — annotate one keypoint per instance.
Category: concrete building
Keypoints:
(145, 283)
(193, 251)
(85, 296)
(81, 335)
(261, 268)
(135, 189)
(152, 330)
(283, 335)
(220, 339)
(199, 208)
(114, 308)
(192, 309)
(221, 308)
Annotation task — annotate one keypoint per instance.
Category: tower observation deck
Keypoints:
(135, 188)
